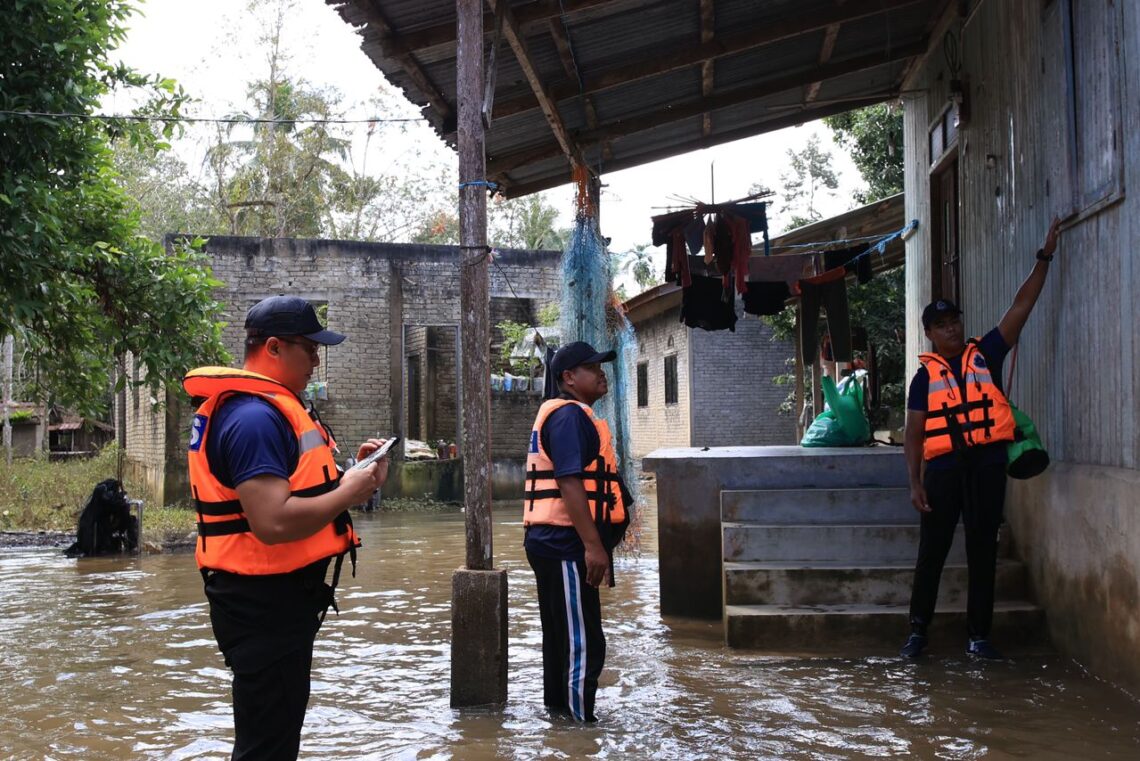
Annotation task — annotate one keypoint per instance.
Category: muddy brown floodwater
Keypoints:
(114, 659)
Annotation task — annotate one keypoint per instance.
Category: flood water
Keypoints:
(114, 659)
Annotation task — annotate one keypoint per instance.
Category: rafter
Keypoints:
(678, 112)
(561, 39)
(825, 51)
(515, 39)
(708, 31)
(379, 26)
(697, 54)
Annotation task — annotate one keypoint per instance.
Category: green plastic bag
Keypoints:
(842, 422)
(1027, 455)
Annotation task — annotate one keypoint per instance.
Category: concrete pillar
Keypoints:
(478, 638)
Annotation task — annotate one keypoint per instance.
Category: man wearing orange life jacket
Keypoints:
(575, 512)
(272, 509)
(958, 427)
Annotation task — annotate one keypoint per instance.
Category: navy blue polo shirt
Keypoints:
(250, 437)
(994, 348)
(571, 441)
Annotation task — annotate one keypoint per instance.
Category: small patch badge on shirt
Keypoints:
(533, 442)
(980, 361)
(197, 428)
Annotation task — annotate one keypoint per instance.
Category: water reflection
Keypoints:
(113, 659)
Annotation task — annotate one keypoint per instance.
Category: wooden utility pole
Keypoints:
(479, 593)
(474, 300)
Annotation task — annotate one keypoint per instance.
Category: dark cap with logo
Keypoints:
(288, 316)
(575, 354)
(936, 309)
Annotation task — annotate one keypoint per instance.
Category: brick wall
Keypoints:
(735, 401)
(725, 392)
(372, 290)
(658, 424)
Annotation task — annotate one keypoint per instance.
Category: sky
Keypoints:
(210, 48)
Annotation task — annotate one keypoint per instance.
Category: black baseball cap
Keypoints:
(936, 308)
(288, 316)
(578, 353)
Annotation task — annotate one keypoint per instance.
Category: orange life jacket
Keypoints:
(542, 500)
(979, 407)
(225, 542)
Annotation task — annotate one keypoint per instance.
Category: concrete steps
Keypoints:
(828, 569)
(839, 583)
(1018, 625)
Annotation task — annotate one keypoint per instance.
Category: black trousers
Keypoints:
(573, 645)
(265, 627)
(831, 296)
(977, 495)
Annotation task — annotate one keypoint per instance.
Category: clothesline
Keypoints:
(879, 246)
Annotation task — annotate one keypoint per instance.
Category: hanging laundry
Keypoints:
(829, 291)
(695, 234)
(708, 305)
(766, 298)
(855, 259)
(785, 269)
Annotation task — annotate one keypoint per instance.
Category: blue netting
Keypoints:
(590, 313)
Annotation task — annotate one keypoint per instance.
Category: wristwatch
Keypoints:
(1041, 256)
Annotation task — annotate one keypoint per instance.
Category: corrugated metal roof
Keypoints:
(629, 77)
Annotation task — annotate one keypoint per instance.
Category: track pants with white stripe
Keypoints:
(573, 645)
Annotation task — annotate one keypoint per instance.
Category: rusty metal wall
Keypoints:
(1075, 367)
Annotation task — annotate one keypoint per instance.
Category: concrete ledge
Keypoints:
(809, 543)
(478, 638)
(830, 506)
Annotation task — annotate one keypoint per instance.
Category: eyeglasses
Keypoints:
(314, 349)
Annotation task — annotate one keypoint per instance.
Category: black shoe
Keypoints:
(914, 646)
(981, 648)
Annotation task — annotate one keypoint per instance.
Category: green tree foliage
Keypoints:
(81, 285)
(809, 178)
(873, 136)
(638, 263)
(527, 222)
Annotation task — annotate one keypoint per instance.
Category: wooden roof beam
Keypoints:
(718, 47)
(622, 128)
(444, 33)
(379, 25)
(708, 31)
(515, 39)
(561, 37)
(825, 51)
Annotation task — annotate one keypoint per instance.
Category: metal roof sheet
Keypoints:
(638, 80)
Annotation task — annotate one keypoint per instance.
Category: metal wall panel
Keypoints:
(1075, 371)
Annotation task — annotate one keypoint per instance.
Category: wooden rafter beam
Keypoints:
(708, 32)
(724, 45)
(626, 162)
(444, 33)
(561, 39)
(680, 111)
(517, 41)
(380, 26)
(825, 52)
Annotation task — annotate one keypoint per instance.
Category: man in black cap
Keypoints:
(273, 516)
(575, 513)
(958, 428)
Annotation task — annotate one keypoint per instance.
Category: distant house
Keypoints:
(692, 387)
(398, 372)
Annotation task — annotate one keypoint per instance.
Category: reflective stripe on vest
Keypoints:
(225, 541)
(978, 410)
(542, 499)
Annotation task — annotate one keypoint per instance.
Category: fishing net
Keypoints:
(590, 312)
